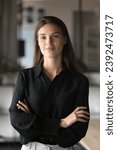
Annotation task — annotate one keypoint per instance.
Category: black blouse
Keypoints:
(49, 102)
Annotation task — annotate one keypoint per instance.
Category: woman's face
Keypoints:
(51, 41)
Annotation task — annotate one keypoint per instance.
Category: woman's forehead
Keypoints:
(50, 28)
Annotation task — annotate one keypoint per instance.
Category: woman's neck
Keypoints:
(52, 67)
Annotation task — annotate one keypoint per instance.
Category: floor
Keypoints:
(92, 138)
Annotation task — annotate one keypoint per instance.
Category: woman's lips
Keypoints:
(49, 48)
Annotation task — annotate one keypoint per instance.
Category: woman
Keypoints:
(50, 102)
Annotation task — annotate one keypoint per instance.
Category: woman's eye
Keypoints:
(43, 37)
(56, 35)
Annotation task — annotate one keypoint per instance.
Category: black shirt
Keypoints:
(49, 102)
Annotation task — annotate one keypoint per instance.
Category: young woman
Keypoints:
(50, 107)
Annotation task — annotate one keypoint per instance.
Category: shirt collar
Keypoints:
(37, 70)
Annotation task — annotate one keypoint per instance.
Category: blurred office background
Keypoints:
(18, 19)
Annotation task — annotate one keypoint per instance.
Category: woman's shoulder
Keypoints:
(30, 71)
(80, 76)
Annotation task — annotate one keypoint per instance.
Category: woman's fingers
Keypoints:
(82, 120)
(23, 106)
(80, 108)
(82, 114)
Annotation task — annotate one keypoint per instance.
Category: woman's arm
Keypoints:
(24, 106)
(27, 124)
(77, 128)
(30, 125)
(79, 114)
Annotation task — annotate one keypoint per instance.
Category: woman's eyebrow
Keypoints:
(51, 33)
(42, 34)
(56, 33)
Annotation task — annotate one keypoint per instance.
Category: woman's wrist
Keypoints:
(68, 121)
(62, 123)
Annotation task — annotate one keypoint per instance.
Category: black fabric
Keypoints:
(49, 101)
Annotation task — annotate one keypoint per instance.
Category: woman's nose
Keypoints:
(49, 40)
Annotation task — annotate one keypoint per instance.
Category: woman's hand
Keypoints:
(23, 106)
(79, 114)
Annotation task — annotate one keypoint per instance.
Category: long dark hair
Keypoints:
(68, 56)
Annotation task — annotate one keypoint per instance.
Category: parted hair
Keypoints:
(68, 57)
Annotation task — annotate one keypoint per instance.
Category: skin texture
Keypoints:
(51, 42)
